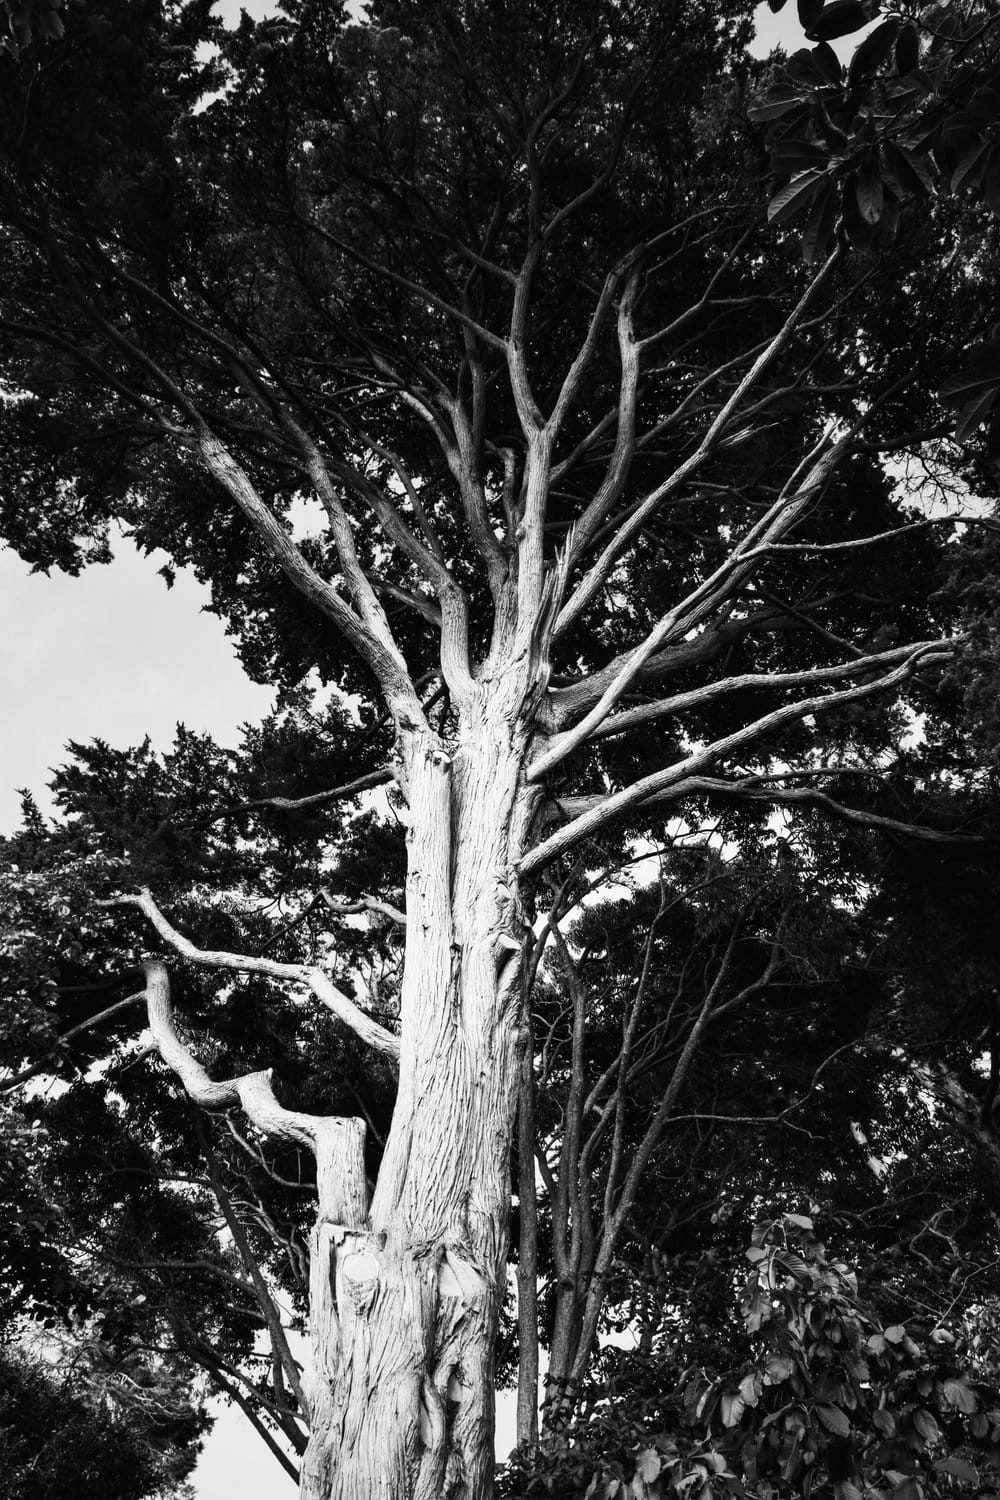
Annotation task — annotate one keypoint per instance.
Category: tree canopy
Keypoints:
(588, 509)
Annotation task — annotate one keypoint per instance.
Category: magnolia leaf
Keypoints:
(874, 50)
(833, 1419)
(891, 176)
(918, 168)
(809, 13)
(907, 49)
(801, 67)
(748, 1390)
(839, 19)
(870, 192)
(974, 415)
(958, 127)
(957, 390)
(971, 165)
(801, 1221)
(793, 155)
(773, 109)
(845, 1490)
(828, 63)
(896, 1334)
(884, 1422)
(794, 196)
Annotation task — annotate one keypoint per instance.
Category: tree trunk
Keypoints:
(527, 1255)
(406, 1296)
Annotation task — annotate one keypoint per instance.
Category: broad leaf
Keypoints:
(926, 1425)
(828, 63)
(870, 191)
(975, 414)
(648, 1464)
(874, 50)
(839, 19)
(732, 1408)
(833, 1419)
(794, 196)
(907, 49)
(773, 109)
(796, 155)
(971, 166)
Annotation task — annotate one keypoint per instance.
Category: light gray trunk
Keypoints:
(406, 1293)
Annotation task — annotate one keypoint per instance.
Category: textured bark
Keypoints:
(405, 1295)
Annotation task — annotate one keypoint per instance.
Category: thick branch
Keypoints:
(598, 574)
(710, 692)
(746, 791)
(675, 780)
(363, 903)
(314, 799)
(702, 601)
(307, 974)
(252, 1092)
(377, 650)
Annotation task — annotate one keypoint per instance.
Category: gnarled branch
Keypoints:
(309, 975)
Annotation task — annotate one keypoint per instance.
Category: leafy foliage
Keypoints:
(916, 111)
(67, 1428)
(824, 1399)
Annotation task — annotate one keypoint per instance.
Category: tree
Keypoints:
(69, 1421)
(603, 521)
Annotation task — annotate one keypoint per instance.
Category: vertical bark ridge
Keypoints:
(417, 1287)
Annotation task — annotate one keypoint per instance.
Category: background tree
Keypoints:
(599, 466)
(64, 1425)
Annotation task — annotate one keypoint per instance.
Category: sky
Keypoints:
(115, 653)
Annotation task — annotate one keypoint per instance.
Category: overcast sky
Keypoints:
(114, 654)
